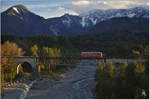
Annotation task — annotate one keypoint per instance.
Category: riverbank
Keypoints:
(15, 89)
(19, 88)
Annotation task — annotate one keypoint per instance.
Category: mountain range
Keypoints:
(19, 20)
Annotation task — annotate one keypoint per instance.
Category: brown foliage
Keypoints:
(11, 49)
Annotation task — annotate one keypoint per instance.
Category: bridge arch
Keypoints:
(24, 67)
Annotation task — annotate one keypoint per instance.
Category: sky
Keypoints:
(56, 8)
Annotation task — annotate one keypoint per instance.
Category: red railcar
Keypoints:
(91, 54)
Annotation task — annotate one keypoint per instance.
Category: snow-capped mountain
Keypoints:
(78, 25)
(96, 16)
(66, 25)
(19, 20)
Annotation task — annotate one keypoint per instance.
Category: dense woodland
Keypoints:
(122, 81)
(113, 45)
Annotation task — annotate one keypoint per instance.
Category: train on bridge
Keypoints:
(92, 54)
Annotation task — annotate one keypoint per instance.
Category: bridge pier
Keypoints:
(36, 73)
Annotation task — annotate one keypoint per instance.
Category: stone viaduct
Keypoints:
(30, 61)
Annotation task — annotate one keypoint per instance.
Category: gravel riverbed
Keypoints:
(77, 83)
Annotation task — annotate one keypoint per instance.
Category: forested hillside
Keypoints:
(128, 45)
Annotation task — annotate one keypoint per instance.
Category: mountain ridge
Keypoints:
(18, 20)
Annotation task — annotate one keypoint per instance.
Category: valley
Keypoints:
(42, 58)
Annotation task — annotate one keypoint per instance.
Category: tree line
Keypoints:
(72, 46)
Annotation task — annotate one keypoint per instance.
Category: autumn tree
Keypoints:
(34, 50)
(9, 50)
(122, 69)
(111, 69)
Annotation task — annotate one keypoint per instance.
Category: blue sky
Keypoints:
(55, 8)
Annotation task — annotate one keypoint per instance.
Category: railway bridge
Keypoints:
(31, 64)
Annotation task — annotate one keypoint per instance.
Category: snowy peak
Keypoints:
(97, 15)
(17, 10)
(139, 12)
(67, 19)
(21, 8)
(67, 15)
(98, 12)
(19, 20)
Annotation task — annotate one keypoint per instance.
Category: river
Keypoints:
(77, 83)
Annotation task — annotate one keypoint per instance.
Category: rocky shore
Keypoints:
(19, 88)
(14, 89)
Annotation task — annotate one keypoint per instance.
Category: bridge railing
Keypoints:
(64, 57)
(57, 60)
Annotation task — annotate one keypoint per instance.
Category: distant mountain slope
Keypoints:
(121, 28)
(18, 20)
(97, 15)
(121, 24)
(70, 25)
(66, 25)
